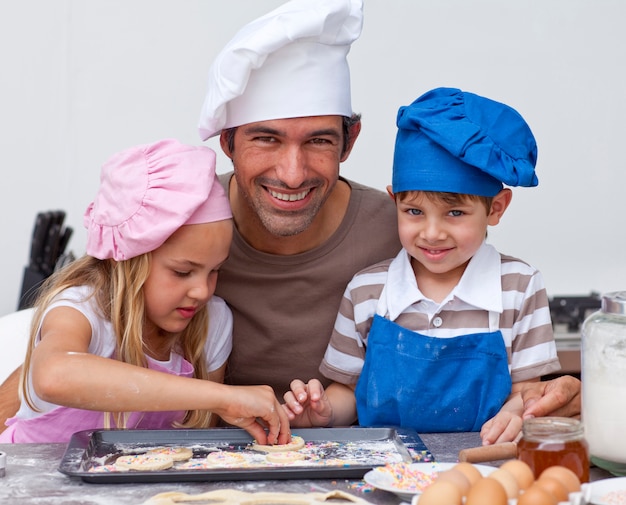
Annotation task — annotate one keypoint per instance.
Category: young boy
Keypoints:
(442, 337)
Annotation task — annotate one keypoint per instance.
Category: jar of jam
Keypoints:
(549, 441)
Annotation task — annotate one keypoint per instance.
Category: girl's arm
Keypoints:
(9, 397)
(65, 373)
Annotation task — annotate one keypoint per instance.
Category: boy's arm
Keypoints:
(506, 425)
(343, 401)
(309, 404)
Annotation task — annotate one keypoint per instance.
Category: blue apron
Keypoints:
(431, 384)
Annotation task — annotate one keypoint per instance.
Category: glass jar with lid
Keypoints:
(550, 441)
(604, 383)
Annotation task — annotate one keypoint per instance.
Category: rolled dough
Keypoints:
(234, 497)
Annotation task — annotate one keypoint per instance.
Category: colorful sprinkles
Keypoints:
(615, 498)
(104, 469)
(362, 487)
(318, 454)
(405, 478)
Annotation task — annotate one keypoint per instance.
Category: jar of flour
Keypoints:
(604, 383)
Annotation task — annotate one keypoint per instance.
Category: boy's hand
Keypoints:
(307, 405)
(505, 426)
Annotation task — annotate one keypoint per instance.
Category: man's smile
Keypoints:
(289, 197)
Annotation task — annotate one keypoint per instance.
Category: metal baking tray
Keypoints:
(364, 448)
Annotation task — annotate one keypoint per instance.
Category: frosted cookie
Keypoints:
(284, 457)
(194, 464)
(176, 453)
(224, 458)
(296, 444)
(144, 462)
(105, 469)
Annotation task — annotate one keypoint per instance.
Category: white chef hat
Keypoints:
(289, 63)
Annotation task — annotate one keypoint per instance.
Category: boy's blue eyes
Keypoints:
(417, 212)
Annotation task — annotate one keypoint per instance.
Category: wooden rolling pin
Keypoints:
(495, 452)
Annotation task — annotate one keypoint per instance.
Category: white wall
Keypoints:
(82, 79)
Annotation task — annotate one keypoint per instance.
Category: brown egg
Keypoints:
(470, 471)
(536, 495)
(521, 471)
(563, 475)
(458, 478)
(440, 492)
(508, 481)
(554, 486)
(486, 492)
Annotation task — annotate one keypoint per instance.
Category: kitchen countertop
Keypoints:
(568, 348)
(32, 478)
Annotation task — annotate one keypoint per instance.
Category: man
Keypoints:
(279, 97)
(287, 125)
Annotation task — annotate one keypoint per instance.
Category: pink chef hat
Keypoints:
(149, 191)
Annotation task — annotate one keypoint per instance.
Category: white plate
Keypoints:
(595, 491)
(382, 480)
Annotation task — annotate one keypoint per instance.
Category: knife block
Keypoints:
(31, 282)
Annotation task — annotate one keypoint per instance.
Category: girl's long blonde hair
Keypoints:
(118, 292)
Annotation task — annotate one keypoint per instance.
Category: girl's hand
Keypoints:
(254, 408)
(307, 404)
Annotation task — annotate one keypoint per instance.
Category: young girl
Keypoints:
(129, 336)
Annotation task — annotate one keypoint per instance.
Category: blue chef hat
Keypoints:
(458, 142)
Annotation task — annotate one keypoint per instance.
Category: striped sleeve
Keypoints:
(345, 353)
(526, 324)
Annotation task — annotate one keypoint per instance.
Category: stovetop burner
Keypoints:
(573, 310)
